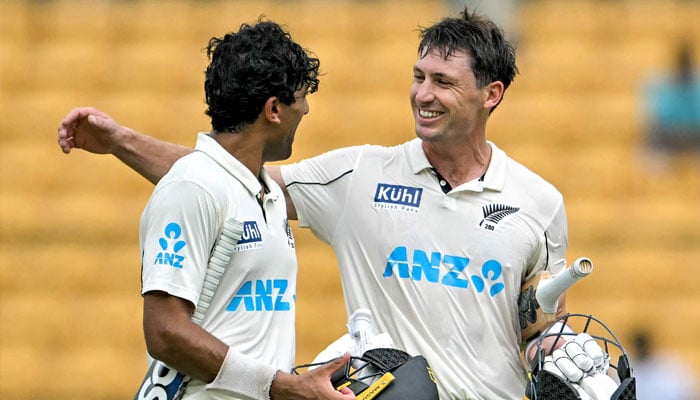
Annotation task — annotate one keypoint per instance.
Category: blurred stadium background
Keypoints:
(70, 312)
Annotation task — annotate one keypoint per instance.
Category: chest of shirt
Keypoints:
(412, 211)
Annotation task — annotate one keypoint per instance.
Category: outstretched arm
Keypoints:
(92, 130)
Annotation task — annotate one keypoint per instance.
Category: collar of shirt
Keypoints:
(209, 146)
(493, 179)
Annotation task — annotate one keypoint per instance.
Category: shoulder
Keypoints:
(195, 167)
(371, 156)
(197, 174)
(334, 164)
(360, 151)
(530, 184)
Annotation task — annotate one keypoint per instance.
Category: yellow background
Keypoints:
(70, 310)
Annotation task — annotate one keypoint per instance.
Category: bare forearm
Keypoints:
(94, 131)
(174, 339)
(195, 353)
(150, 157)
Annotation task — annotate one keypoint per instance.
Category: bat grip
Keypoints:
(360, 329)
(549, 290)
(231, 232)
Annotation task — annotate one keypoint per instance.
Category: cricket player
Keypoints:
(244, 346)
(434, 236)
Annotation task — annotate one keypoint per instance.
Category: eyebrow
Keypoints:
(434, 74)
(442, 75)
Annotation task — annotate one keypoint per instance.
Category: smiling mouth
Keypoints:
(429, 114)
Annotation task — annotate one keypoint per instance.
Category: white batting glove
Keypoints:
(584, 364)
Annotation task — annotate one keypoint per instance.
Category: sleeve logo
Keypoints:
(170, 245)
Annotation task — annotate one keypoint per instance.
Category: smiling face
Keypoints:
(447, 103)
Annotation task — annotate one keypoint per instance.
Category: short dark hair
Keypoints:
(493, 57)
(248, 67)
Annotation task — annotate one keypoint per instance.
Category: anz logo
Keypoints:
(424, 266)
(397, 197)
(170, 245)
(262, 295)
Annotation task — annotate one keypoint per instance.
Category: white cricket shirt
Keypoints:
(440, 272)
(253, 309)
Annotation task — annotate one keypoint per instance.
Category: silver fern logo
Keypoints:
(494, 213)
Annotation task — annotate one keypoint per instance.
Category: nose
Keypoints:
(422, 92)
(306, 106)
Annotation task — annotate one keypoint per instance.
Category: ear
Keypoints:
(494, 94)
(272, 110)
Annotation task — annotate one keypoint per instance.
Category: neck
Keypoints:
(459, 164)
(242, 146)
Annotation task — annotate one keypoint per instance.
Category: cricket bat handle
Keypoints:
(539, 296)
(549, 290)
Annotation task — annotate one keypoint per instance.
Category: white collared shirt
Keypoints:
(253, 309)
(440, 272)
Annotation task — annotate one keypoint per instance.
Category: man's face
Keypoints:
(291, 115)
(446, 100)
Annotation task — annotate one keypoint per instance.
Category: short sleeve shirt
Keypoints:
(253, 309)
(441, 272)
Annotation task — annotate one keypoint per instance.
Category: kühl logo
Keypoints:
(171, 235)
(397, 197)
(251, 233)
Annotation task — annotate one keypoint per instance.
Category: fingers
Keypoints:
(65, 143)
(98, 121)
(329, 368)
(583, 363)
(566, 365)
(592, 349)
(347, 391)
(80, 113)
(332, 366)
(68, 125)
(576, 353)
(66, 129)
(337, 364)
(74, 117)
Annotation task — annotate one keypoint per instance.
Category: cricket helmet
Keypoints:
(545, 385)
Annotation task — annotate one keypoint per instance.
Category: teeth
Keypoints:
(428, 114)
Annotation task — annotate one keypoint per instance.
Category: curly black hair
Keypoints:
(493, 57)
(248, 67)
